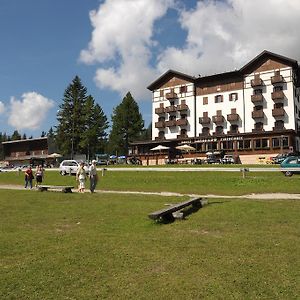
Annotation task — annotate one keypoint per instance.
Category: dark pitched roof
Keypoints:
(167, 74)
(268, 54)
(25, 140)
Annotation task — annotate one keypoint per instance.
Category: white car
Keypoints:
(70, 167)
(228, 159)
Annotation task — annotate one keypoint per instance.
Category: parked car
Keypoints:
(227, 159)
(70, 167)
(291, 165)
(279, 158)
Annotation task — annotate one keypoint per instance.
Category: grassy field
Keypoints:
(220, 183)
(103, 246)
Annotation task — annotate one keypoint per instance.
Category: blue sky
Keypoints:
(116, 46)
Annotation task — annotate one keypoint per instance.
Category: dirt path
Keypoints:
(270, 196)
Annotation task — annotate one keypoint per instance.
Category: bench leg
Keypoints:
(168, 218)
(67, 190)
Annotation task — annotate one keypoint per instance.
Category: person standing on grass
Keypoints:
(28, 177)
(81, 178)
(39, 175)
(93, 176)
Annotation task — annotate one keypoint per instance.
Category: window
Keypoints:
(265, 143)
(161, 93)
(257, 91)
(205, 100)
(234, 128)
(258, 126)
(247, 144)
(275, 142)
(257, 144)
(278, 88)
(218, 98)
(219, 130)
(161, 134)
(183, 89)
(205, 130)
(233, 97)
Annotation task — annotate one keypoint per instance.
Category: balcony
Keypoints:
(257, 98)
(257, 130)
(256, 114)
(278, 112)
(170, 123)
(234, 131)
(171, 95)
(182, 107)
(160, 110)
(182, 122)
(277, 79)
(204, 120)
(218, 119)
(256, 82)
(278, 128)
(277, 96)
(233, 117)
(182, 136)
(160, 124)
(170, 109)
(160, 138)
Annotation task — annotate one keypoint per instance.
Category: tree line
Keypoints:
(83, 128)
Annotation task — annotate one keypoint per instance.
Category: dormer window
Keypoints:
(183, 89)
(218, 98)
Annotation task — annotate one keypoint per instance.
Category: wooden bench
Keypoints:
(166, 214)
(64, 189)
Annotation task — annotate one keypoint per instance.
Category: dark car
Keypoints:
(278, 159)
(291, 165)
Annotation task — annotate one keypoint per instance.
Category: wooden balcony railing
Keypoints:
(277, 96)
(204, 120)
(170, 109)
(170, 123)
(181, 122)
(233, 117)
(160, 110)
(257, 98)
(256, 82)
(160, 124)
(171, 95)
(278, 112)
(276, 79)
(256, 114)
(182, 107)
(182, 136)
(218, 119)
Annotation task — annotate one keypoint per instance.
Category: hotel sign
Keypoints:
(222, 139)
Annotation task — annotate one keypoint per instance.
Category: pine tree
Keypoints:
(16, 136)
(82, 123)
(127, 125)
(70, 118)
(93, 139)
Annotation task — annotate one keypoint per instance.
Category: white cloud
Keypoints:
(221, 36)
(29, 112)
(123, 34)
(2, 107)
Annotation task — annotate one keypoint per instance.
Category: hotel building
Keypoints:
(250, 112)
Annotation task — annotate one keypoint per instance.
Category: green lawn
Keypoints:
(103, 246)
(220, 183)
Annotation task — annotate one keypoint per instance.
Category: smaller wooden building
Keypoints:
(30, 151)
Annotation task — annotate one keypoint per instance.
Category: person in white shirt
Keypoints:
(93, 176)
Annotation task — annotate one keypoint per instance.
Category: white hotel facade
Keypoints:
(249, 112)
